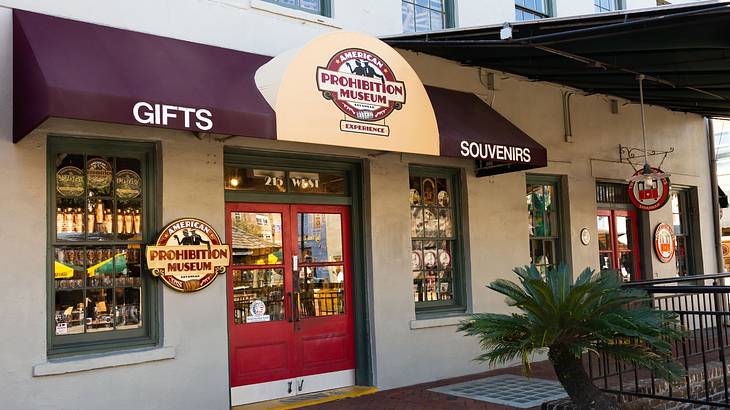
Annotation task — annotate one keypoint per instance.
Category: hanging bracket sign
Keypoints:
(664, 242)
(650, 194)
(188, 255)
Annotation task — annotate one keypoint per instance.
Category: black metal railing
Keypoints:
(702, 304)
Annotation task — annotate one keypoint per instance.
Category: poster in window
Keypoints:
(129, 184)
(443, 198)
(70, 181)
(99, 173)
(429, 258)
(429, 191)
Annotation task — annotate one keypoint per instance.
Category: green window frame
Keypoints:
(544, 197)
(101, 262)
(681, 216)
(318, 7)
(526, 10)
(438, 264)
(427, 15)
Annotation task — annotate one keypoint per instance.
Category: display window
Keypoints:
(101, 200)
(544, 221)
(435, 244)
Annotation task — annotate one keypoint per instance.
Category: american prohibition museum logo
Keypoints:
(364, 88)
(188, 255)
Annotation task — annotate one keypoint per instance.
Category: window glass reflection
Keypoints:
(319, 237)
(258, 295)
(604, 233)
(321, 290)
(623, 232)
(256, 238)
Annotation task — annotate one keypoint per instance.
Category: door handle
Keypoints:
(296, 302)
(295, 263)
(291, 306)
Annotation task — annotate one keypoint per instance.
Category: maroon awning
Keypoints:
(469, 128)
(69, 69)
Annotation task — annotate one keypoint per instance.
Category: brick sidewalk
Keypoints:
(418, 396)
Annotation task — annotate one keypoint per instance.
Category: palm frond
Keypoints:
(592, 313)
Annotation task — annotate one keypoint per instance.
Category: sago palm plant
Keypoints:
(567, 318)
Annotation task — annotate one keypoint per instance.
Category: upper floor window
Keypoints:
(426, 15)
(321, 7)
(607, 5)
(532, 9)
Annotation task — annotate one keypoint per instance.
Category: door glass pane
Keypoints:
(626, 260)
(256, 238)
(623, 233)
(680, 256)
(604, 234)
(319, 237)
(321, 290)
(258, 295)
(605, 260)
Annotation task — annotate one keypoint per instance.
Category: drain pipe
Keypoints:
(709, 129)
(567, 123)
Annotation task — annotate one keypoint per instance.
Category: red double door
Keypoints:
(290, 297)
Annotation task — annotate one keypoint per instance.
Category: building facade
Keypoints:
(386, 247)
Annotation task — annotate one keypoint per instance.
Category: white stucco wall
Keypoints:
(195, 325)
(496, 209)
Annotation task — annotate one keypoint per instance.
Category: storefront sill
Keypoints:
(437, 322)
(101, 361)
(300, 15)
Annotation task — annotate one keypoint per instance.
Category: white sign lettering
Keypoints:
(480, 150)
(161, 114)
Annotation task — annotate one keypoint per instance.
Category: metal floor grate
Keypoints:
(507, 389)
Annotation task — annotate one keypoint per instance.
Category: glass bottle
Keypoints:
(68, 220)
(78, 220)
(108, 222)
(90, 222)
(59, 220)
(120, 222)
(99, 212)
(128, 222)
(137, 221)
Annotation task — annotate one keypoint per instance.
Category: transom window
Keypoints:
(260, 180)
(101, 195)
(426, 15)
(531, 9)
(321, 7)
(435, 243)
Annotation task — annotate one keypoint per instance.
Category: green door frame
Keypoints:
(239, 157)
